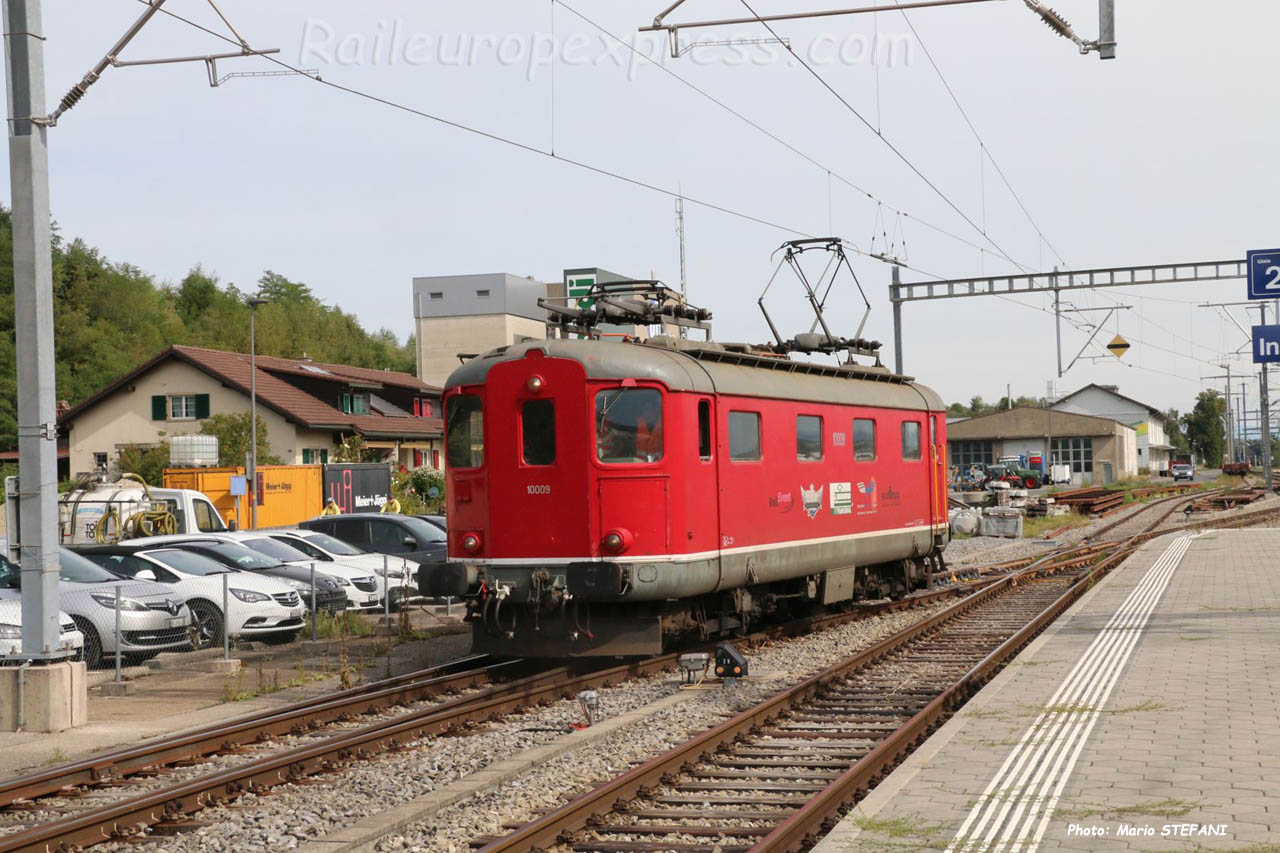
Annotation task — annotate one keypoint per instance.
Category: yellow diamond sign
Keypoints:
(1118, 346)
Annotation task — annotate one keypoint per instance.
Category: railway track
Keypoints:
(779, 775)
(171, 806)
(824, 741)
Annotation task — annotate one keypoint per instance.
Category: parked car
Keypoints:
(258, 607)
(1182, 471)
(69, 637)
(329, 594)
(438, 520)
(399, 535)
(153, 619)
(363, 588)
(396, 572)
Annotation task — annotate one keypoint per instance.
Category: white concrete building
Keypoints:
(1106, 401)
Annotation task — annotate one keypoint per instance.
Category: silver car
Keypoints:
(399, 575)
(152, 618)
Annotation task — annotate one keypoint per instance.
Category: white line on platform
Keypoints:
(1016, 806)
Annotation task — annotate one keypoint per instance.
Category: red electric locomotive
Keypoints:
(607, 497)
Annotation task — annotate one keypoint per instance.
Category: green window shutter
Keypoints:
(346, 404)
(202, 406)
(159, 407)
(324, 456)
(306, 456)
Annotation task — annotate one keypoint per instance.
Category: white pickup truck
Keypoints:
(110, 512)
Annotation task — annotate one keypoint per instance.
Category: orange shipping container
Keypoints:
(290, 493)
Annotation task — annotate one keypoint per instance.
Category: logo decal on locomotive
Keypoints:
(841, 498)
(868, 490)
(812, 499)
(782, 502)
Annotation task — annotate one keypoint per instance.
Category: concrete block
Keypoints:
(229, 666)
(54, 697)
(118, 688)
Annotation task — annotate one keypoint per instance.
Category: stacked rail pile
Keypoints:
(1091, 501)
(1228, 500)
(1164, 489)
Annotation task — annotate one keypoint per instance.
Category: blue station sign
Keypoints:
(1266, 344)
(1263, 273)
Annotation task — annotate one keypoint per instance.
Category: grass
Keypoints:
(1034, 528)
(1168, 807)
(1070, 708)
(331, 626)
(234, 690)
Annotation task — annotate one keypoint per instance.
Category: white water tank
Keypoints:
(193, 451)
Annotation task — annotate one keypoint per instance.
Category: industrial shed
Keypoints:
(1099, 450)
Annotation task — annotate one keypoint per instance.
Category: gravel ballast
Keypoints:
(294, 814)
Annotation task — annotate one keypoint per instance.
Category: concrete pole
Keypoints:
(37, 532)
(1231, 421)
(1057, 322)
(897, 320)
(1265, 414)
(253, 420)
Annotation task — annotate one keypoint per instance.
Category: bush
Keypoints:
(147, 461)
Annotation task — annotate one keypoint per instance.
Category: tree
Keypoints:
(233, 439)
(352, 449)
(110, 317)
(147, 461)
(1173, 431)
(1204, 428)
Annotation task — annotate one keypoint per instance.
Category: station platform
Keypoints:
(1147, 718)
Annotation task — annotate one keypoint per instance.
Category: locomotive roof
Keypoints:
(714, 368)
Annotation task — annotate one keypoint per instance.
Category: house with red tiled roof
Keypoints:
(308, 408)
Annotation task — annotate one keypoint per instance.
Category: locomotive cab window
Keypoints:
(465, 438)
(629, 425)
(808, 438)
(911, 441)
(744, 436)
(864, 440)
(538, 432)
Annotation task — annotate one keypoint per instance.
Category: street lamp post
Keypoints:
(254, 302)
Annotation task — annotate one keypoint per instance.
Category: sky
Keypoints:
(1165, 154)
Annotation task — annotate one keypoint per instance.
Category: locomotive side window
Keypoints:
(465, 439)
(864, 440)
(808, 438)
(629, 425)
(744, 436)
(538, 432)
(911, 441)
(704, 430)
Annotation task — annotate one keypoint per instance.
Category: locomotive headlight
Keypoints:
(471, 543)
(535, 384)
(616, 541)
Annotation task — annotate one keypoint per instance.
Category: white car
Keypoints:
(258, 607)
(399, 574)
(69, 638)
(364, 589)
